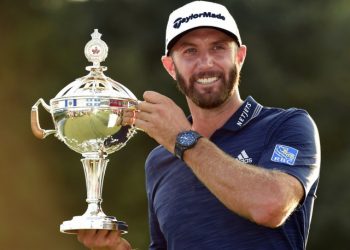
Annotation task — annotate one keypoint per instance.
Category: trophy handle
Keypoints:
(34, 120)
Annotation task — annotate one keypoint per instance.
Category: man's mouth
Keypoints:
(207, 80)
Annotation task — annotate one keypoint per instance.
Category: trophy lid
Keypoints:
(96, 83)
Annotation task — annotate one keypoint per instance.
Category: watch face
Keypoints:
(187, 138)
(184, 141)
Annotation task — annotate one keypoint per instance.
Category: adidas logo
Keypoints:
(243, 157)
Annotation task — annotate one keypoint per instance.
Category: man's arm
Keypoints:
(266, 197)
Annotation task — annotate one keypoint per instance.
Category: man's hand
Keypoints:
(103, 240)
(159, 117)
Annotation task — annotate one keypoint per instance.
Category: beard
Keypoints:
(209, 99)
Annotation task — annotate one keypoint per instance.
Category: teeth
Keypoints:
(207, 80)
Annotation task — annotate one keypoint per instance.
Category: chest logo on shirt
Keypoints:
(243, 157)
(284, 154)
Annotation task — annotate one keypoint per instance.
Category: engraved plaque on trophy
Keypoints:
(87, 117)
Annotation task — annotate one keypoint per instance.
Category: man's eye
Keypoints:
(218, 47)
(190, 51)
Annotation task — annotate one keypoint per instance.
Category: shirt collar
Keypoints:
(246, 112)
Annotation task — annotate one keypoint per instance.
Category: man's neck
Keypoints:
(207, 121)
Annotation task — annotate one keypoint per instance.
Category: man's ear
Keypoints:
(241, 54)
(168, 64)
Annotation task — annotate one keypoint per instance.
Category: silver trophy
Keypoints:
(87, 115)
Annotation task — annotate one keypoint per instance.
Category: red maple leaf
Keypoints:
(95, 50)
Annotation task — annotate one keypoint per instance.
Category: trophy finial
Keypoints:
(96, 50)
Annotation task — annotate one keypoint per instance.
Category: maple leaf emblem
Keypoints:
(95, 50)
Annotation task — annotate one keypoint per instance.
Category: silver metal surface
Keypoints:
(94, 222)
(94, 217)
(87, 117)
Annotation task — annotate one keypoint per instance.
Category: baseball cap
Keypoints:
(199, 14)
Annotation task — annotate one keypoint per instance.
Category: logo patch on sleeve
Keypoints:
(284, 154)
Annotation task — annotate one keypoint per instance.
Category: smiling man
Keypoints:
(232, 175)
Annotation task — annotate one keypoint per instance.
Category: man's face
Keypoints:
(205, 66)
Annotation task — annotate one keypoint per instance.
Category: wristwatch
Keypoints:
(185, 140)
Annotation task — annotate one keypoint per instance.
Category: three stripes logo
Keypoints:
(243, 157)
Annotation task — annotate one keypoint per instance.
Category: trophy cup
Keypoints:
(87, 115)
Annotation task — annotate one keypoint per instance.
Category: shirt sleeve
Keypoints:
(294, 148)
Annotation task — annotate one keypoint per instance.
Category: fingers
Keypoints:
(151, 97)
(133, 117)
(155, 97)
(129, 117)
(102, 239)
(146, 106)
(92, 238)
(137, 117)
(87, 237)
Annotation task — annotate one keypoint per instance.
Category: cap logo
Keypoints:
(181, 20)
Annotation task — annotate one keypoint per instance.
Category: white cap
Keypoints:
(199, 14)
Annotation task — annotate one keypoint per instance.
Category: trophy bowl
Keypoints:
(87, 115)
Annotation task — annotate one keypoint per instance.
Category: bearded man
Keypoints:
(232, 175)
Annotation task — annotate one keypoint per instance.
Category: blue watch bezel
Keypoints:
(185, 140)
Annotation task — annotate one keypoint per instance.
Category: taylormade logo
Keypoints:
(180, 20)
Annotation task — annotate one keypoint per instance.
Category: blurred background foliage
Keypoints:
(298, 55)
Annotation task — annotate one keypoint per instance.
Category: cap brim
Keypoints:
(176, 38)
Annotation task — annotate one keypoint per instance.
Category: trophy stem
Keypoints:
(94, 169)
(94, 218)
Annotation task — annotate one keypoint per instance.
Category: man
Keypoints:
(235, 174)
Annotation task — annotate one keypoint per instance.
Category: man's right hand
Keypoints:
(103, 240)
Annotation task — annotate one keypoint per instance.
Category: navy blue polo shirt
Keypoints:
(184, 214)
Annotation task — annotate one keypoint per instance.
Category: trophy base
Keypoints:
(93, 222)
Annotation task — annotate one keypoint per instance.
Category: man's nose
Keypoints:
(206, 60)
